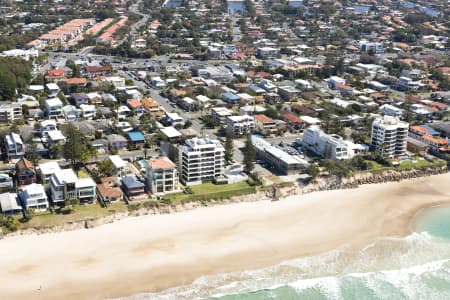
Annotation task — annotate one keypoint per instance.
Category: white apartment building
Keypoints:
(64, 185)
(14, 146)
(326, 145)
(240, 125)
(34, 196)
(10, 112)
(53, 107)
(162, 176)
(201, 159)
(389, 136)
(220, 114)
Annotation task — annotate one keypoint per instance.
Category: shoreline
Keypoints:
(260, 195)
(145, 254)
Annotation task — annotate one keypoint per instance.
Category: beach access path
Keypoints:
(152, 253)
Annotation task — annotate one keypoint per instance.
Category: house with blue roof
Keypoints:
(133, 187)
(231, 98)
(136, 139)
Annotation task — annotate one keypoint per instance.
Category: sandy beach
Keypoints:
(152, 253)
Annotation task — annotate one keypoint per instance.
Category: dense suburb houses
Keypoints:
(241, 94)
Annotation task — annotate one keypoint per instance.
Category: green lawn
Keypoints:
(207, 191)
(82, 173)
(81, 212)
(404, 165)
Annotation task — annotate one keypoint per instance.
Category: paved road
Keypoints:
(170, 107)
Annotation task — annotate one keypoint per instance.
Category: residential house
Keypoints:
(117, 142)
(390, 110)
(119, 165)
(162, 176)
(55, 75)
(46, 171)
(267, 52)
(96, 71)
(151, 105)
(231, 98)
(293, 122)
(70, 113)
(14, 146)
(136, 106)
(52, 89)
(34, 196)
(10, 203)
(25, 172)
(79, 98)
(265, 125)
(289, 93)
(133, 188)
(108, 191)
(136, 139)
(53, 107)
(6, 181)
(220, 114)
(10, 112)
(88, 111)
(65, 185)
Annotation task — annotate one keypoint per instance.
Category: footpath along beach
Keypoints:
(152, 253)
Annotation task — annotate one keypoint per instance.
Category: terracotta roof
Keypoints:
(148, 102)
(55, 72)
(263, 119)
(161, 163)
(289, 117)
(24, 163)
(342, 86)
(96, 69)
(108, 191)
(76, 81)
(135, 103)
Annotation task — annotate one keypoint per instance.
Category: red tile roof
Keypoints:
(289, 117)
(263, 119)
(161, 163)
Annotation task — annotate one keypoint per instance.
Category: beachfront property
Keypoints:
(330, 146)
(10, 203)
(14, 146)
(162, 176)
(65, 185)
(133, 187)
(280, 160)
(201, 159)
(389, 136)
(429, 137)
(34, 196)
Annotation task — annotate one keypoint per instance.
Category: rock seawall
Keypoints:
(261, 195)
(364, 178)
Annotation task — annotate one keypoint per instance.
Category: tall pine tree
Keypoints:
(249, 155)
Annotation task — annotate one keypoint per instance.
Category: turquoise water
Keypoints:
(435, 221)
(413, 267)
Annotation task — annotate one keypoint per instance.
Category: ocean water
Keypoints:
(413, 267)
